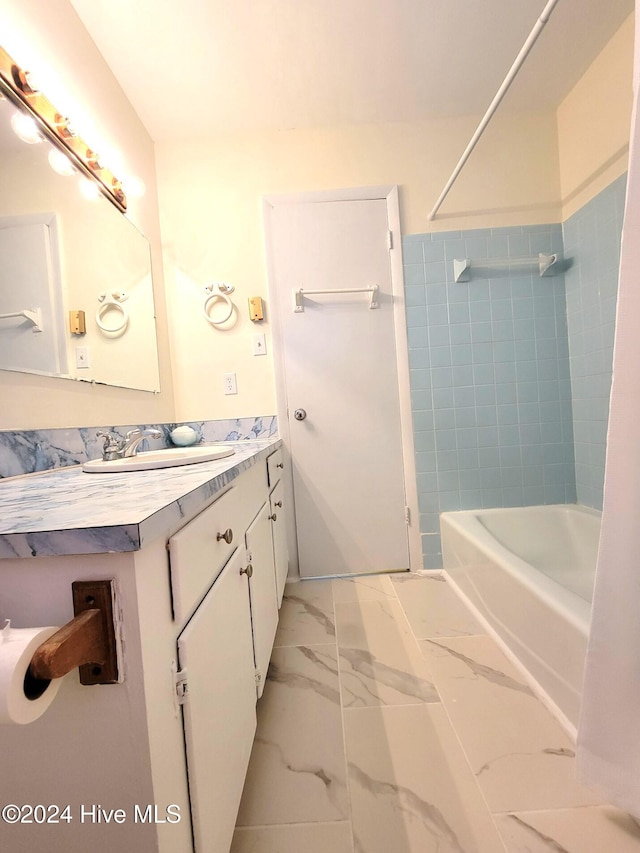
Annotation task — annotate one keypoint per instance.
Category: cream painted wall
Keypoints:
(211, 215)
(594, 122)
(210, 195)
(48, 39)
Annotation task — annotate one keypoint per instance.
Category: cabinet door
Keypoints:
(264, 600)
(219, 712)
(279, 532)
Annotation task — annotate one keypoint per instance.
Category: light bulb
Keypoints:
(89, 189)
(133, 186)
(60, 163)
(113, 159)
(25, 128)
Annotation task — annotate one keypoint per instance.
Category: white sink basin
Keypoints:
(167, 458)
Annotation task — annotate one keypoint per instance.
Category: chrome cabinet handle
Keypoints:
(248, 571)
(273, 517)
(227, 536)
(300, 414)
(278, 503)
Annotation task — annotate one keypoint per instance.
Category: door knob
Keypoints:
(300, 414)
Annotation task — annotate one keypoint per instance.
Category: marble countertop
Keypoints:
(68, 511)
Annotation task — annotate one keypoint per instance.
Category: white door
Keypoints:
(340, 372)
(27, 282)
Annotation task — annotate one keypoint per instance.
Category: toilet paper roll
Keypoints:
(23, 699)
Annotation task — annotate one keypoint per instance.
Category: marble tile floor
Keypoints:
(392, 723)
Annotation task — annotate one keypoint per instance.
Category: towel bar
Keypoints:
(298, 305)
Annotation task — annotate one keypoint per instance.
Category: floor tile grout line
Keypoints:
(305, 823)
(454, 729)
(383, 706)
(417, 650)
(586, 807)
(417, 644)
(342, 720)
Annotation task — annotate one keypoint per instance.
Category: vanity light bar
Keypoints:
(17, 85)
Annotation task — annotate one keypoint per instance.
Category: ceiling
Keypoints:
(196, 67)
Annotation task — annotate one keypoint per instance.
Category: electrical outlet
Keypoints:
(82, 357)
(230, 385)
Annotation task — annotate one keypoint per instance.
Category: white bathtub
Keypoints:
(529, 571)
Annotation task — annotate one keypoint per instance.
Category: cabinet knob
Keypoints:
(273, 517)
(280, 465)
(278, 503)
(227, 536)
(248, 571)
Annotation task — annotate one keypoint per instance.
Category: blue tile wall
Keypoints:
(489, 363)
(592, 250)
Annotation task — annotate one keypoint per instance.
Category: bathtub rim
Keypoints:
(569, 605)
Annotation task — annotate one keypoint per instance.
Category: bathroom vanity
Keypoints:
(198, 558)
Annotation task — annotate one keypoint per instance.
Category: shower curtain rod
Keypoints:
(495, 103)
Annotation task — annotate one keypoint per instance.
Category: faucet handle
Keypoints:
(109, 438)
(111, 446)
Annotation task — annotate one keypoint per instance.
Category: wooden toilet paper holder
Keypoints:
(88, 641)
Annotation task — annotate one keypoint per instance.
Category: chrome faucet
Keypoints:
(115, 448)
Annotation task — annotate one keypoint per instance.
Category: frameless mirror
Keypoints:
(76, 294)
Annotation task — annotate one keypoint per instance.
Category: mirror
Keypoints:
(59, 253)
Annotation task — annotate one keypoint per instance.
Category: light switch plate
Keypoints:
(82, 358)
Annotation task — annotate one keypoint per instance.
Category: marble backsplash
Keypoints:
(28, 451)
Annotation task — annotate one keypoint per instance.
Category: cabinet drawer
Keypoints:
(275, 466)
(200, 550)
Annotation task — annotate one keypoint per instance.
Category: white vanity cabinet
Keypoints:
(196, 628)
(278, 518)
(224, 650)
